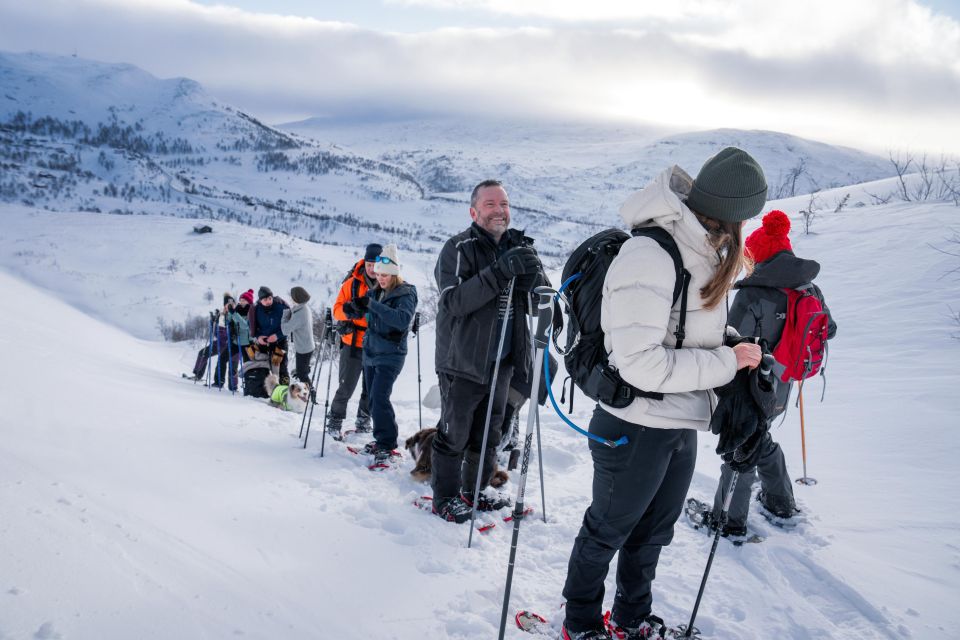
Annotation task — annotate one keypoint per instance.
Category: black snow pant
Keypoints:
(381, 376)
(638, 494)
(776, 485)
(456, 448)
(302, 367)
(350, 372)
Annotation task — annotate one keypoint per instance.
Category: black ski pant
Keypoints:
(302, 367)
(638, 494)
(350, 372)
(380, 377)
(776, 484)
(456, 447)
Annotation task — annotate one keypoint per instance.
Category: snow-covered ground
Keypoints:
(134, 504)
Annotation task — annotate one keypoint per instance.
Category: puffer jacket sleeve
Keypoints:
(389, 318)
(463, 289)
(635, 314)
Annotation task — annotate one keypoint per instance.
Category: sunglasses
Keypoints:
(386, 260)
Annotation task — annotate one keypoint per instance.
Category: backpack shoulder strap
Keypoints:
(682, 282)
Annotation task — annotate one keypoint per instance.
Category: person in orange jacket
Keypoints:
(358, 282)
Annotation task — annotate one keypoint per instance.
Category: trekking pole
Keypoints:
(229, 356)
(805, 480)
(331, 337)
(240, 364)
(691, 631)
(209, 348)
(544, 317)
(493, 389)
(317, 365)
(219, 355)
(214, 316)
(543, 487)
(416, 331)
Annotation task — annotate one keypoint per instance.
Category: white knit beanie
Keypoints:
(388, 263)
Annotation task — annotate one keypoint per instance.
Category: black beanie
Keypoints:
(373, 251)
(299, 295)
(264, 292)
(226, 298)
(729, 187)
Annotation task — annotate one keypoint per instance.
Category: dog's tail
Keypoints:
(270, 383)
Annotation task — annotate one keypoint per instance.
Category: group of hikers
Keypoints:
(676, 349)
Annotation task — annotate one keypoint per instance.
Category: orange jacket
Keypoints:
(354, 286)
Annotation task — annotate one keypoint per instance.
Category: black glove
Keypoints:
(362, 304)
(350, 310)
(745, 457)
(527, 282)
(516, 262)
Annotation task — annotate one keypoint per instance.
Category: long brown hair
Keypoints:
(396, 282)
(727, 238)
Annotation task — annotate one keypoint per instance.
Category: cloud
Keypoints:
(883, 74)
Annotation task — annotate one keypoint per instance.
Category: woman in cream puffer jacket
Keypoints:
(639, 488)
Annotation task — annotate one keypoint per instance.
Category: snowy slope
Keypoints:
(139, 505)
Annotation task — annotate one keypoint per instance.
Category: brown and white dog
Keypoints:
(420, 446)
(293, 398)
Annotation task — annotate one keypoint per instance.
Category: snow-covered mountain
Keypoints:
(581, 170)
(82, 135)
(134, 504)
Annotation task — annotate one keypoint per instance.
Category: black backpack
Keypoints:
(585, 357)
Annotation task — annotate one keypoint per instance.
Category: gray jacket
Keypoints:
(297, 322)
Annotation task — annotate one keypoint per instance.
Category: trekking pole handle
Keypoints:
(416, 323)
(541, 337)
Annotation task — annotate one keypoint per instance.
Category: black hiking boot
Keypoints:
(593, 634)
(333, 428)
(453, 509)
(488, 500)
(650, 627)
(780, 506)
(362, 424)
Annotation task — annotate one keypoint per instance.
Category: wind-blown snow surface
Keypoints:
(136, 504)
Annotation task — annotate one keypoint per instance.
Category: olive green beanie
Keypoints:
(730, 187)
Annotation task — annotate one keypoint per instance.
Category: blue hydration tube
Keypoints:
(622, 440)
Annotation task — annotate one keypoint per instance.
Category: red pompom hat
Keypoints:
(247, 295)
(771, 238)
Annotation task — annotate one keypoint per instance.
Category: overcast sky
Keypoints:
(874, 74)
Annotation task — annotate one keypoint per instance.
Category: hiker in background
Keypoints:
(351, 326)
(243, 328)
(474, 272)
(760, 309)
(218, 345)
(264, 319)
(297, 323)
(639, 487)
(389, 313)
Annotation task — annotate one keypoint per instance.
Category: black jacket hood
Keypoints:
(784, 270)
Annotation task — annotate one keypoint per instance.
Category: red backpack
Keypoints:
(803, 344)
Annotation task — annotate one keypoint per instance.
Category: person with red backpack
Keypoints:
(777, 302)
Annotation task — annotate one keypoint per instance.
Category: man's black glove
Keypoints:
(527, 282)
(351, 311)
(362, 304)
(519, 261)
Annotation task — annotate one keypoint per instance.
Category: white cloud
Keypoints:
(872, 74)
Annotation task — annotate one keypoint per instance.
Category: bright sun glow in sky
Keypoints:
(874, 74)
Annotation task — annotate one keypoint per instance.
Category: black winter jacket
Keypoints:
(467, 309)
(760, 306)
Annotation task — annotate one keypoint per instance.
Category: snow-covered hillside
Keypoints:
(82, 135)
(135, 504)
(578, 169)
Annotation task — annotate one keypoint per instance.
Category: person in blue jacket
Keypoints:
(389, 311)
(264, 319)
